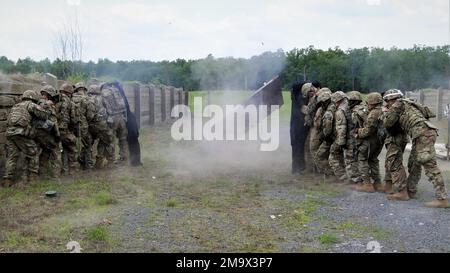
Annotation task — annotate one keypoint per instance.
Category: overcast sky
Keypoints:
(171, 29)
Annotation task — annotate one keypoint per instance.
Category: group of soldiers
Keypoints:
(347, 134)
(56, 129)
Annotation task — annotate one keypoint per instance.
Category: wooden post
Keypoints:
(186, 98)
(172, 99)
(439, 108)
(137, 103)
(421, 97)
(151, 105)
(163, 103)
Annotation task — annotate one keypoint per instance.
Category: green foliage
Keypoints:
(364, 69)
(104, 199)
(329, 239)
(98, 234)
(374, 69)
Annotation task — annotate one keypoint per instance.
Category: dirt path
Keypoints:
(197, 197)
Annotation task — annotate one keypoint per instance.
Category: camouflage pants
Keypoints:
(321, 158)
(351, 161)
(105, 147)
(309, 164)
(337, 162)
(50, 153)
(85, 157)
(368, 162)
(314, 144)
(15, 145)
(70, 154)
(120, 131)
(395, 171)
(423, 154)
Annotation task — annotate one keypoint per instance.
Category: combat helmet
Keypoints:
(355, 96)
(79, 86)
(323, 96)
(94, 90)
(338, 96)
(68, 88)
(374, 98)
(50, 90)
(392, 94)
(30, 95)
(306, 88)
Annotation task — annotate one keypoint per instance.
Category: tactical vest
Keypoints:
(19, 115)
(113, 98)
(79, 116)
(410, 118)
(100, 111)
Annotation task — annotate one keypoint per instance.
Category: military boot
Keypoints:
(438, 204)
(366, 187)
(379, 187)
(412, 195)
(388, 188)
(399, 196)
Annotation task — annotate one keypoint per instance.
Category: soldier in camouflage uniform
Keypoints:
(358, 114)
(20, 137)
(86, 113)
(370, 144)
(47, 135)
(309, 91)
(117, 117)
(317, 114)
(413, 119)
(340, 136)
(100, 130)
(67, 123)
(324, 124)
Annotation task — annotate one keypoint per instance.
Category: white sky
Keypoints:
(191, 29)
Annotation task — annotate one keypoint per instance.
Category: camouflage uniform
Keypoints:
(86, 113)
(412, 120)
(20, 136)
(65, 109)
(326, 129)
(370, 144)
(48, 137)
(357, 112)
(117, 117)
(99, 128)
(395, 147)
(340, 137)
(314, 120)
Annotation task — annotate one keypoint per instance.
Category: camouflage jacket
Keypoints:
(311, 111)
(113, 102)
(21, 116)
(372, 124)
(318, 118)
(327, 129)
(341, 125)
(408, 117)
(63, 110)
(86, 109)
(100, 113)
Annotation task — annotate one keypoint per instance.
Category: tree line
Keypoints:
(364, 69)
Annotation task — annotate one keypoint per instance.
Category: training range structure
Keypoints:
(152, 104)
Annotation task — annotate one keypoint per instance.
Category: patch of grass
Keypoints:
(105, 199)
(361, 231)
(172, 203)
(329, 239)
(98, 234)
